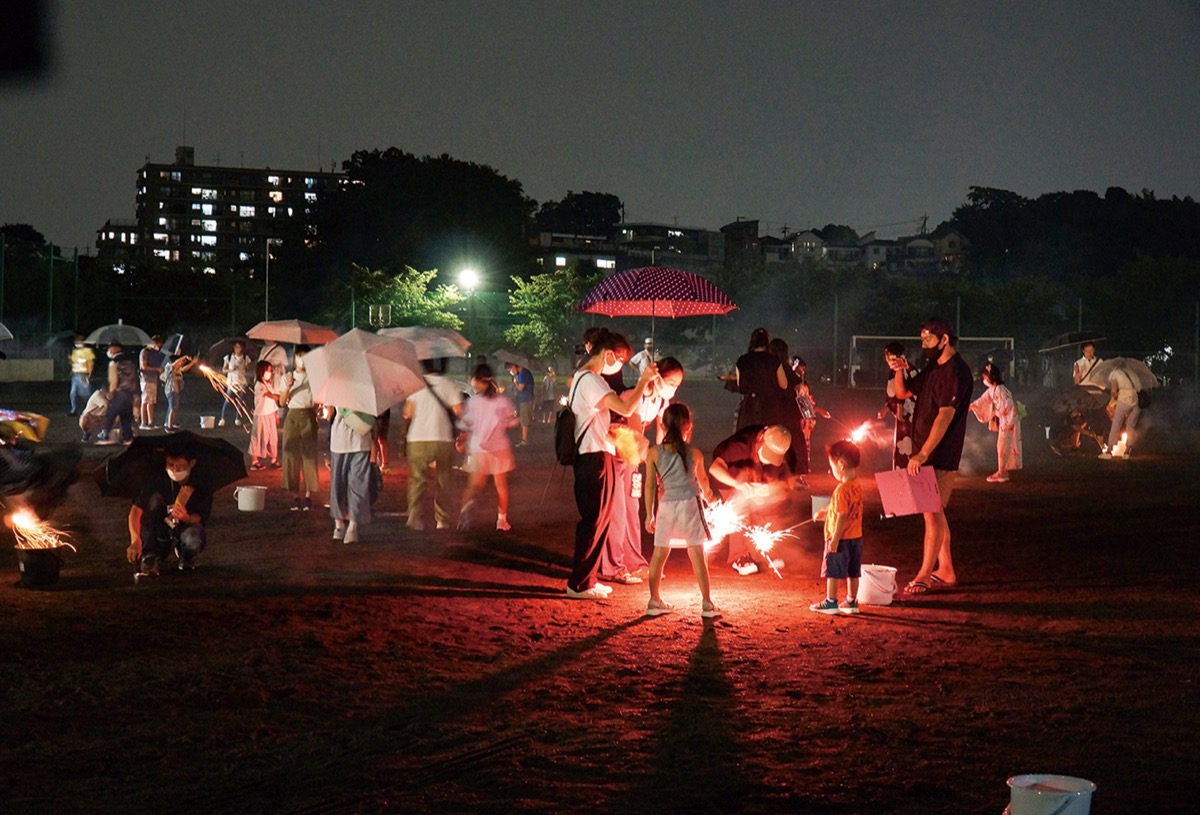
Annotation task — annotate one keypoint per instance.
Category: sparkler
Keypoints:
(221, 385)
(32, 533)
(763, 538)
(723, 519)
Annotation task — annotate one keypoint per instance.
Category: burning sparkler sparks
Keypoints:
(723, 519)
(859, 434)
(32, 533)
(221, 385)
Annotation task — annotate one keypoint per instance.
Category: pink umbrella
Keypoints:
(656, 291)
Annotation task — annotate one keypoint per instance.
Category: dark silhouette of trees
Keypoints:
(582, 213)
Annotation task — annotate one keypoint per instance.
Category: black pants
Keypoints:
(595, 492)
(158, 538)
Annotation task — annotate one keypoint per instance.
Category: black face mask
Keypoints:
(932, 353)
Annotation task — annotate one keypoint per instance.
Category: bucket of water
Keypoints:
(208, 422)
(819, 502)
(877, 585)
(38, 567)
(1037, 794)
(250, 499)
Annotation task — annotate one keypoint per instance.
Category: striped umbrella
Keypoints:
(656, 291)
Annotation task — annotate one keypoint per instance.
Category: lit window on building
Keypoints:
(176, 176)
(208, 194)
(160, 236)
(310, 197)
(276, 196)
(207, 209)
(243, 256)
(271, 211)
(560, 261)
(605, 263)
(209, 270)
(246, 212)
(165, 254)
(208, 226)
(208, 240)
(133, 238)
(273, 179)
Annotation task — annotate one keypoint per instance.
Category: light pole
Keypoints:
(267, 281)
(469, 279)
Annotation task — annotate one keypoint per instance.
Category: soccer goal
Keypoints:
(868, 369)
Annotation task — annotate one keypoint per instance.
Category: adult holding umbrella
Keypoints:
(171, 480)
(1126, 381)
(360, 375)
(656, 291)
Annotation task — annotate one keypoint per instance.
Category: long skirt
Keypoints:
(264, 439)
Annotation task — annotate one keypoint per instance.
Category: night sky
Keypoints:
(799, 114)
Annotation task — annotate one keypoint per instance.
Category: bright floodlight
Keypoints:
(469, 278)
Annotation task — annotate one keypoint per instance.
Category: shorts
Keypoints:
(845, 562)
(149, 391)
(525, 413)
(945, 482)
(491, 463)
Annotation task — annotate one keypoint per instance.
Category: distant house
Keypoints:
(882, 254)
(807, 244)
(585, 253)
(741, 242)
(775, 250)
(647, 243)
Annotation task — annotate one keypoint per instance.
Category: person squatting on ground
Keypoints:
(1125, 412)
(92, 417)
(300, 434)
(485, 424)
(997, 408)
(431, 414)
(264, 436)
(236, 369)
(843, 516)
(943, 392)
(170, 514)
(122, 394)
(350, 441)
(150, 368)
(678, 469)
(591, 400)
(83, 362)
(754, 469)
(901, 409)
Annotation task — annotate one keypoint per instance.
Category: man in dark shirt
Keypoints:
(943, 393)
(170, 513)
(755, 468)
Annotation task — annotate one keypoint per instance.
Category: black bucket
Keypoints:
(38, 567)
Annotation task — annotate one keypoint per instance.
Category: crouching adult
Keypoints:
(170, 515)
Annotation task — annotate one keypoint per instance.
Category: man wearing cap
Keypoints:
(943, 392)
(755, 469)
(644, 357)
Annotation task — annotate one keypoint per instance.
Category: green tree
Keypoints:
(582, 213)
(544, 306)
(408, 293)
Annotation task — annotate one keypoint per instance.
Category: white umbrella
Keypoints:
(1143, 378)
(118, 334)
(364, 372)
(5, 334)
(431, 343)
(293, 331)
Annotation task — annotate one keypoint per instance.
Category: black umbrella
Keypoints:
(178, 344)
(1069, 339)
(122, 475)
(217, 352)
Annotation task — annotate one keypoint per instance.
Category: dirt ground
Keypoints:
(447, 672)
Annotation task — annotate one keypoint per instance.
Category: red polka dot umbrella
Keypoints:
(656, 291)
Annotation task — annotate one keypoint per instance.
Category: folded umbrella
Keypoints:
(122, 475)
(364, 372)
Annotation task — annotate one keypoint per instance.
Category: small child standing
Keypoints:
(843, 531)
(264, 440)
(678, 469)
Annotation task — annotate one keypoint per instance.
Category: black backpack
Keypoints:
(566, 443)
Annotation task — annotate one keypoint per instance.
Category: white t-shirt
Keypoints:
(1126, 391)
(585, 404)
(430, 421)
(488, 420)
(343, 439)
(1083, 365)
(300, 393)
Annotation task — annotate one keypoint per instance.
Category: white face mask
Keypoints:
(78, 345)
(179, 475)
(299, 363)
(614, 367)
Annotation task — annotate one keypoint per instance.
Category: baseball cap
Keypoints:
(776, 441)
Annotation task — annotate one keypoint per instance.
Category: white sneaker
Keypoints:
(237, 422)
(745, 568)
(603, 588)
(586, 594)
(221, 423)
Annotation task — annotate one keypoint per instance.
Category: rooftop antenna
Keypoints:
(924, 223)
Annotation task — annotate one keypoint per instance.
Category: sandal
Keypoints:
(658, 609)
(710, 613)
(940, 583)
(624, 578)
(917, 587)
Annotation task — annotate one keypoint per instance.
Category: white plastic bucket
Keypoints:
(819, 502)
(1037, 794)
(250, 499)
(208, 422)
(877, 585)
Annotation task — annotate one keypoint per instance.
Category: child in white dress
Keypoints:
(676, 469)
(264, 440)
